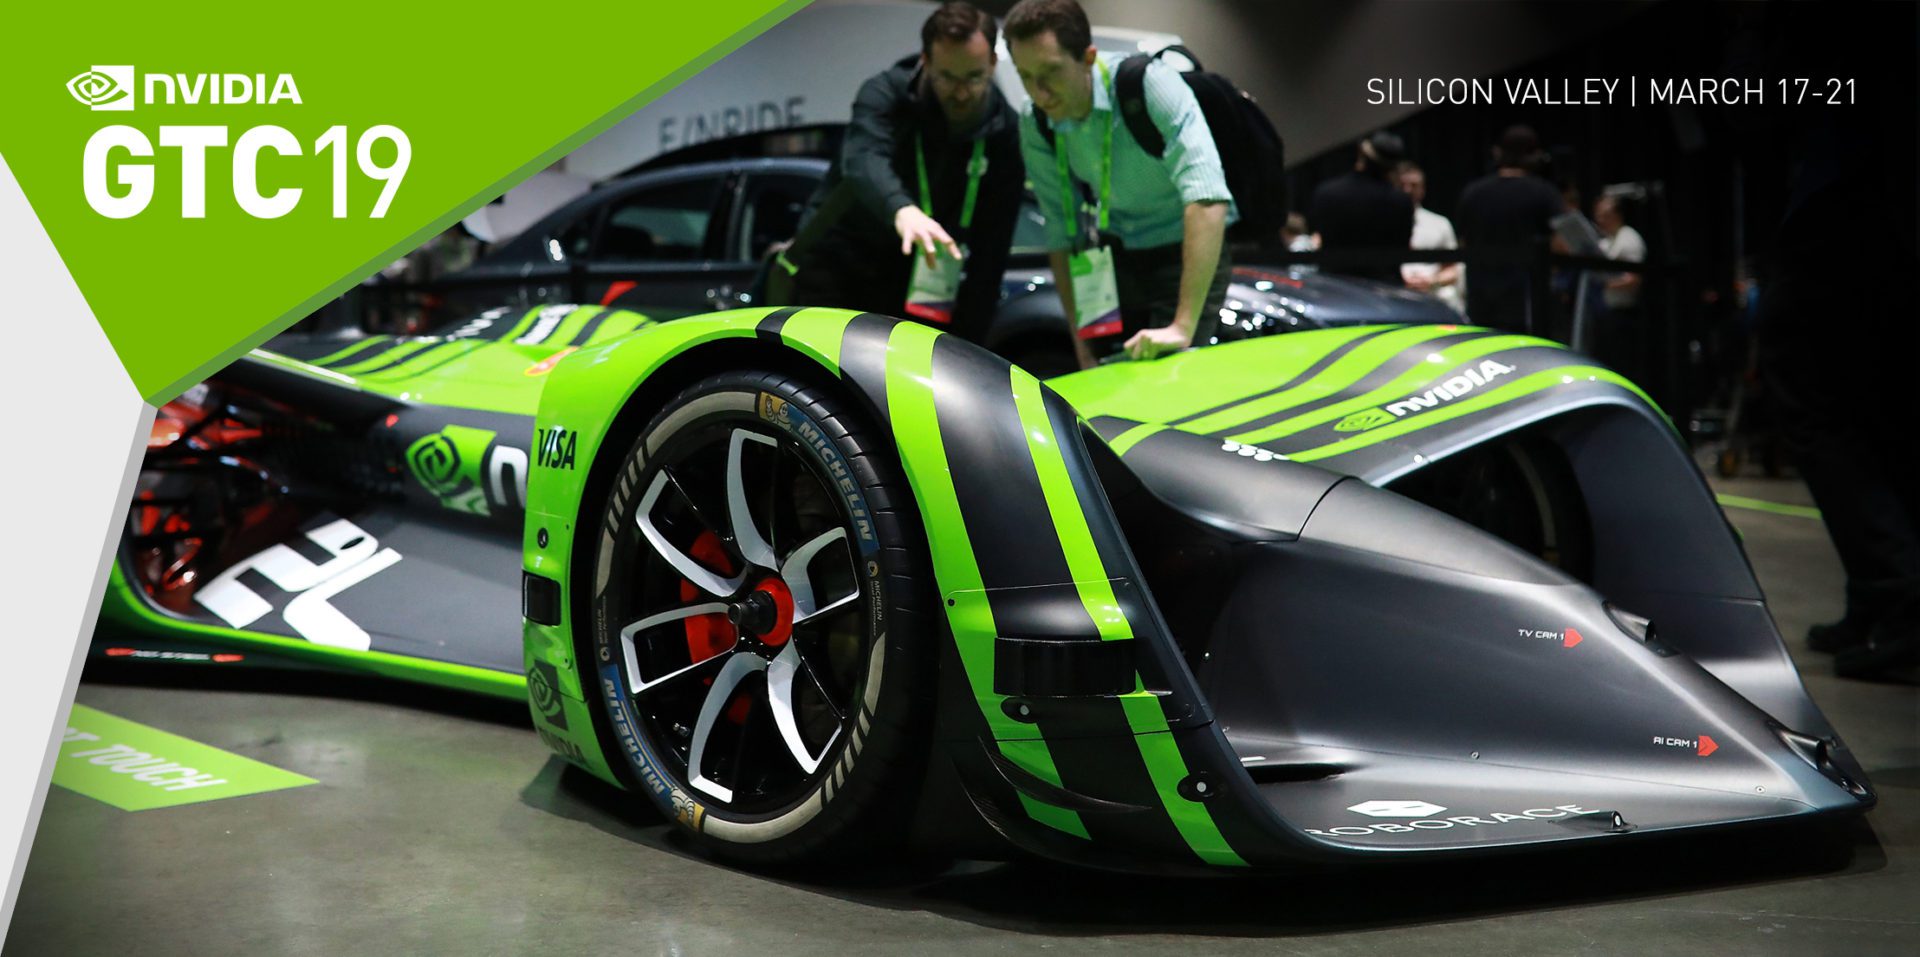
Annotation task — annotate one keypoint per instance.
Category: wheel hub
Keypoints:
(764, 615)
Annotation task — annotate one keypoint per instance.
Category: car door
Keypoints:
(656, 248)
(766, 212)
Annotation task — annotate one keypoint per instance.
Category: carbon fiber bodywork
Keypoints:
(1196, 614)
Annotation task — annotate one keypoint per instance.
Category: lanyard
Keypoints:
(976, 168)
(1106, 170)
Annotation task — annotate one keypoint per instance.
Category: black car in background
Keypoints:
(689, 239)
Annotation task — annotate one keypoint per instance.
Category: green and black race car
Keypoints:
(817, 583)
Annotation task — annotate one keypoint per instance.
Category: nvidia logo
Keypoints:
(104, 88)
(1364, 420)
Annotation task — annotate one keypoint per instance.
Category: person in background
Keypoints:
(1431, 231)
(1835, 358)
(1508, 212)
(1623, 339)
(1295, 235)
(1621, 243)
(1149, 277)
(916, 215)
(1365, 210)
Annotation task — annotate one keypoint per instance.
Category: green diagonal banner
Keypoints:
(212, 174)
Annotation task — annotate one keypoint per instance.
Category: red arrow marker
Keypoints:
(1573, 638)
(1707, 746)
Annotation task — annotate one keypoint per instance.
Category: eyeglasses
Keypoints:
(977, 81)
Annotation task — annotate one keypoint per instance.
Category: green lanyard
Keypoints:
(1106, 170)
(976, 168)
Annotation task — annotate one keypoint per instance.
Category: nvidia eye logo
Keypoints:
(1396, 808)
(104, 88)
(1362, 421)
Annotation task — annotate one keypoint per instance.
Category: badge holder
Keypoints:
(1096, 296)
(933, 290)
(1096, 293)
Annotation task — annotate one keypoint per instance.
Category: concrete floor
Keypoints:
(441, 825)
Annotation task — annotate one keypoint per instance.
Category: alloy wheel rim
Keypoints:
(747, 665)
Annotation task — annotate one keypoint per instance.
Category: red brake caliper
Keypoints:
(712, 634)
(707, 635)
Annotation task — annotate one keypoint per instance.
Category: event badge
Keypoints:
(934, 289)
(1096, 297)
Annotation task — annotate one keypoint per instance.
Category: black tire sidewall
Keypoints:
(867, 774)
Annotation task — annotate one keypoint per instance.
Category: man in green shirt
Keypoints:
(1156, 248)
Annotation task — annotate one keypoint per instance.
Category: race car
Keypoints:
(818, 584)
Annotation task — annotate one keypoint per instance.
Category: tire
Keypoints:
(767, 684)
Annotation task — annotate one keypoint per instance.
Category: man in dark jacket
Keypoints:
(1365, 210)
(915, 217)
(1509, 212)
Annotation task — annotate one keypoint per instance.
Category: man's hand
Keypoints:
(1154, 343)
(918, 229)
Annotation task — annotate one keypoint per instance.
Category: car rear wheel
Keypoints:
(755, 616)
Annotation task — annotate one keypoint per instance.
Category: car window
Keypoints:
(663, 223)
(771, 213)
(573, 241)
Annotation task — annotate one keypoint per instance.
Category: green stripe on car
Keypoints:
(817, 332)
(350, 350)
(916, 432)
(1127, 440)
(1449, 360)
(1519, 388)
(1145, 719)
(1342, 374)
(387, 358)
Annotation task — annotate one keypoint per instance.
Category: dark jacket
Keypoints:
(859, 253)
(1362, 211)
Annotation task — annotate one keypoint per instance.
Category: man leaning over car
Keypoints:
(1156, 285)
(916, 215)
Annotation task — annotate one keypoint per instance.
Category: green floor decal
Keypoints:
(137, 768)
(1759, 505)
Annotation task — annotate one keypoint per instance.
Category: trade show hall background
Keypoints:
(381, 817)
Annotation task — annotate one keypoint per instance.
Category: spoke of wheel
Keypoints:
(698, 668)
(821, 687)
(629, 633)
(780, 674)
(777, 490)
(843, 601)
(707, 580)
(746, 537)
(800, 583)
(737, 669)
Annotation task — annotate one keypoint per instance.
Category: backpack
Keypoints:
(1251, 151)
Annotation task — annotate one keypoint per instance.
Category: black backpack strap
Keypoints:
(1130, 89)
(1183, 51)
(1130, 92)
